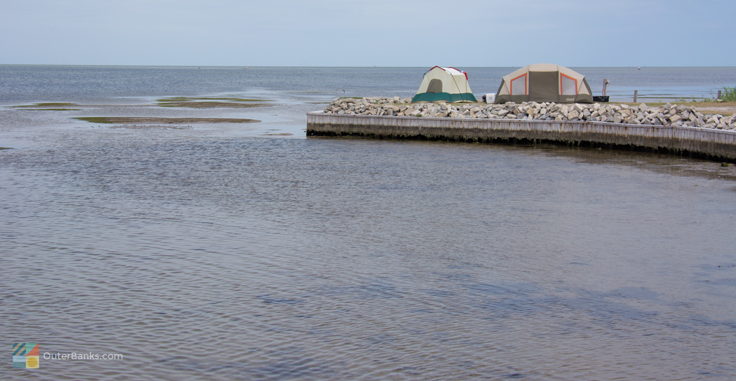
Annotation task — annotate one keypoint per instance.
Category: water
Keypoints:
(220, 252)
(28, 83)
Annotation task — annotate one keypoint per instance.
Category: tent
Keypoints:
(444, 84)
(544, 83)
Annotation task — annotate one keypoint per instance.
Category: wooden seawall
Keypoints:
(710, 143)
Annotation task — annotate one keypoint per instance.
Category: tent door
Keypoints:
(544, 86)
(435, 86)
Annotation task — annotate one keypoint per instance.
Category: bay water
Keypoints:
(227, 251)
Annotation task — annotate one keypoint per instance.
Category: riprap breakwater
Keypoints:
(702, 142)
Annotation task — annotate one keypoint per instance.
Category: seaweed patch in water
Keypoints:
(212, 102)
(53, 109)
(188, 99)
(153, 120)
(46, 105)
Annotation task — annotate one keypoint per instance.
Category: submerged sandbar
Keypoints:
(157, 120)
(212, 102)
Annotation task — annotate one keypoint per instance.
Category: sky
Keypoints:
(368, 32)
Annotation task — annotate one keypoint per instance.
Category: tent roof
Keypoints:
(449, 70)
(543, 67)
(545, 83)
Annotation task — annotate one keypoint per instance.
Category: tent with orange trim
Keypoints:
(544, 83)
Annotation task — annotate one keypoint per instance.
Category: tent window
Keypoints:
(435, 86)
(568, 85)
(518, 85)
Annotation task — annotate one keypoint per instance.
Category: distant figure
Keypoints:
(605, 84)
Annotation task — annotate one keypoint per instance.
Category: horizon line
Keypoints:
(345, 66)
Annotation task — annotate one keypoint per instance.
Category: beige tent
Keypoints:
(544, 83)
(444, 84)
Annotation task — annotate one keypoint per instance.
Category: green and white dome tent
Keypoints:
(444, 84)
(544, 83)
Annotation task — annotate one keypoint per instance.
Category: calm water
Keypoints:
(223, 252)
(29, 83)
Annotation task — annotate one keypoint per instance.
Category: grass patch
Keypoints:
(708, 107)
(728, 94)
(47, 104)
(153, 120)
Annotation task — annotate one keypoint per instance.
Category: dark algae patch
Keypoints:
(187, 102)
(53, 109)
(187, 99)
(212, 102)
(153, 120)
(45, 106)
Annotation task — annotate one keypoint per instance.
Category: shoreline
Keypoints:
(678, 115)
(679, 129)
(698, 142)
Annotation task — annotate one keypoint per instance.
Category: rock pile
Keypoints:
(667, 115)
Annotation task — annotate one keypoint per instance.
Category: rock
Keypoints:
(675, 115)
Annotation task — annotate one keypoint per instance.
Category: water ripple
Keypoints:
(249, 258)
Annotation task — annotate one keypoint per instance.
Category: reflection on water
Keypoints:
(660, 163)
(201, 256)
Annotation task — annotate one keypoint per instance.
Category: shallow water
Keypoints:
(214, 252)
(281, 258)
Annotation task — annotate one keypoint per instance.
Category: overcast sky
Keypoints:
(368, 32)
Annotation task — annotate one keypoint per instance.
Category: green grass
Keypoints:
(728, 94)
